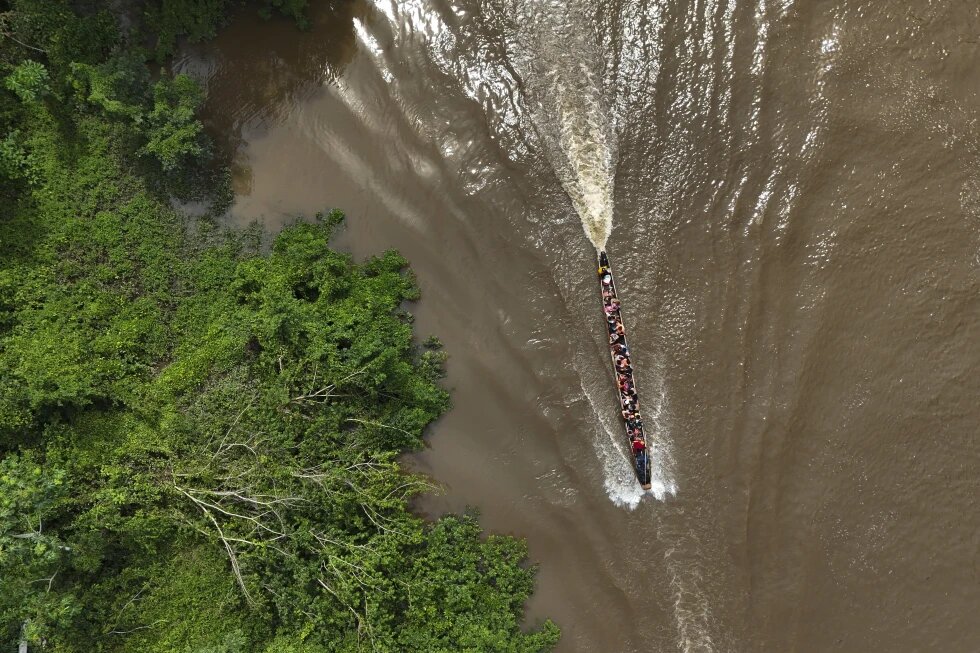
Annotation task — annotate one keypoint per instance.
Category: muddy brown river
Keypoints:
(791, 194)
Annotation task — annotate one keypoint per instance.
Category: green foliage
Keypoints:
(51, 30)
(199, 440)
(31, 549)
(116, 86)
(174, 131)
(157, 123)
(15, 163)
(198, 20)
(464, 593)
(29, 81)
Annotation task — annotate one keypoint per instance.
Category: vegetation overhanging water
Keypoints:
(198, 439)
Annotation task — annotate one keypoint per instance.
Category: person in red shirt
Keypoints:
(638, 445)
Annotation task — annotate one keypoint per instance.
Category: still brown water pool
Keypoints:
(793, 195)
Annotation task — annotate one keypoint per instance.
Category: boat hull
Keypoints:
(623, 373)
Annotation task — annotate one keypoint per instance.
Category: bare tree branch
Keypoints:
(324, 393)
(387, 426)
(7, 34)
(232, 556)
(133, 630)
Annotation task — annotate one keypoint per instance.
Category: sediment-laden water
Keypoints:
(790, 193)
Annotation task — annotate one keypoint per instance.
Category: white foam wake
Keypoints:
(563, 80)
(619, 479)
(584, 137)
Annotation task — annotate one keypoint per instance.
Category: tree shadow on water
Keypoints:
(257, 70)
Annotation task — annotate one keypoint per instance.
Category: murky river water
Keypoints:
(796, 230)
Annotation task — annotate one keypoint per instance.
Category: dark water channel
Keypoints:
(797, 239)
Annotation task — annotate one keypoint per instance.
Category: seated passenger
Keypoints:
(638, 445)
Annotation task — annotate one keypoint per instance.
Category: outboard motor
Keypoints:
(643, 467)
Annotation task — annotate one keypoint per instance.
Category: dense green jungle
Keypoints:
(200, 432)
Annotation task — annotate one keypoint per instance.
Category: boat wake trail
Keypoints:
(683, 561)
(562, 72)
(570, 114)
(619, 479)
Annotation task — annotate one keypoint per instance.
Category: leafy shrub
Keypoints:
(29, 81)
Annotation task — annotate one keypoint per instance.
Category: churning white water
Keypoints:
(587, 141)
(564, 85)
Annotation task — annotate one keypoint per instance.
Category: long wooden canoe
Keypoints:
(623, 373)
